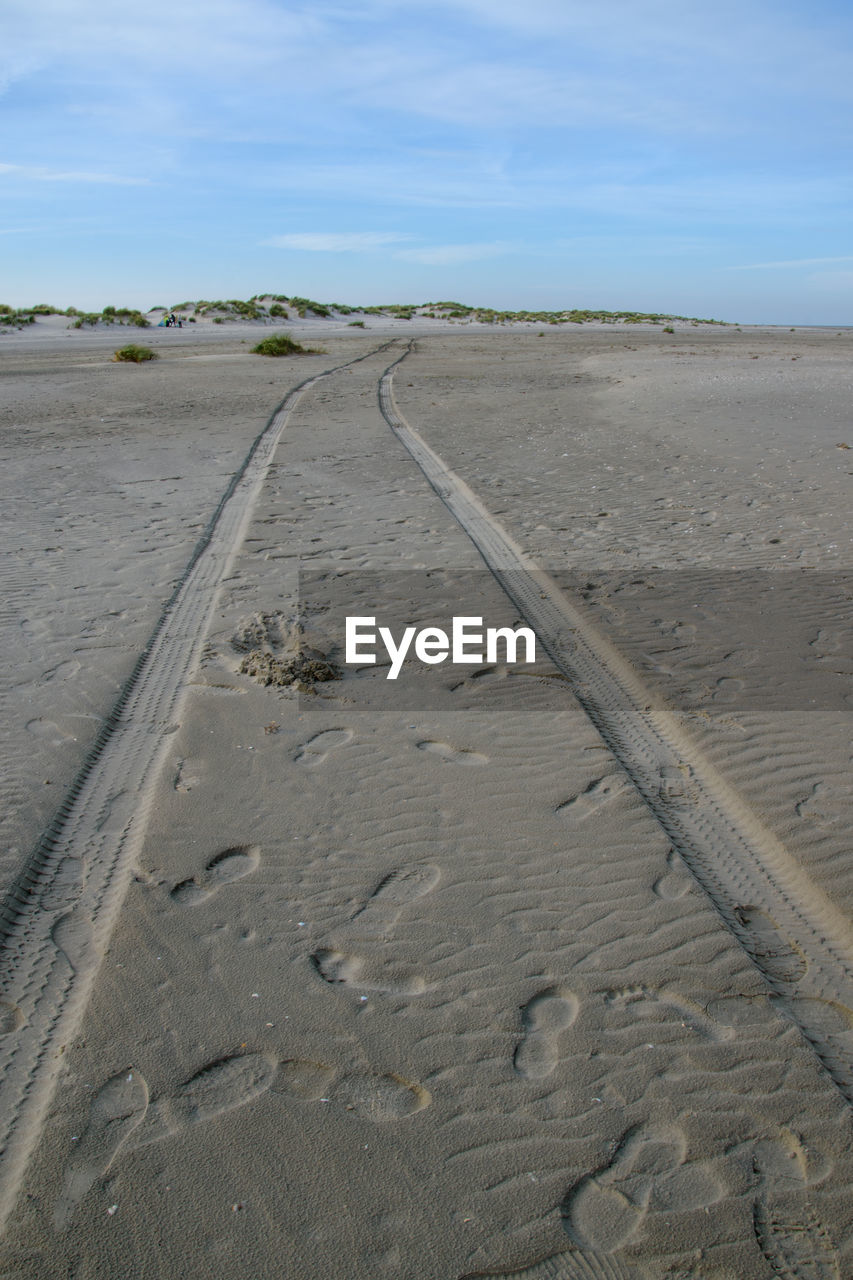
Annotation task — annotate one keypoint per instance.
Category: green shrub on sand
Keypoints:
(134, 354)
(278, 344)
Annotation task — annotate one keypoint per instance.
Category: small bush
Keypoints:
(356, 324)
(278, 344)
(134, 354)
(278, 311)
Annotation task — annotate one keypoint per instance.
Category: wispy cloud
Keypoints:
(110, 179)
(337, 242)
(38, 174)
(791, 262)
(367, 241)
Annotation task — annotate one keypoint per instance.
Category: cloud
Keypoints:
(791, 262)
(336, 242)
(366, 241)
(447, 255)
(112, 179)
(39, 174)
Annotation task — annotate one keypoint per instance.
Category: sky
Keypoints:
(648, 155)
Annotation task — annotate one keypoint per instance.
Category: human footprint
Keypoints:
(373, 1097)
(399, 888)
(789, 1233)
(544, 1017)
(606, 1210)
(118, 1108)
(597, 794)
(366, 975)
(314, 752)
(121, 1117)
(228, 866)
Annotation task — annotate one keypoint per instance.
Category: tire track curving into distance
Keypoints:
(801, 943)
(57, 919)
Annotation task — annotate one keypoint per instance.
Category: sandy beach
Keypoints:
(541, 969)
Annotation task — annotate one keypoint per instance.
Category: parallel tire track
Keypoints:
(56, 922)
(799, 941)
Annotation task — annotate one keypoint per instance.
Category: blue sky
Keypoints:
(638, 154)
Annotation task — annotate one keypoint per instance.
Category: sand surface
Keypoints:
(541, 970)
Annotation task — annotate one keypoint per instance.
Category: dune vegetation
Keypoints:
(279, 344)
(134, 354)
(272, 308)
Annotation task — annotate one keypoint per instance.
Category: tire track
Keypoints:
(56, 922)
(800, 942)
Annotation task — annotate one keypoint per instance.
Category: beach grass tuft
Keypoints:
(278, 344)
(134, 354)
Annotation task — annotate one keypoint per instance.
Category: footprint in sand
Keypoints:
(598, 793)
(228, 866)
(566, 1266)
(606, 1210)
(746, 1013)
(373, 1097)
(64, 671)
(727, 689)
(666, 1009)
(187, 776)
(118, 1108)
(216, 1089)
(374, 922)
(789, 1233)
(828, 1018)
(382, 909)
(775, 955)
(486, 677)
(314, 752)
(73, 935)
(827, 806)
(121, 1116)
(453, 755)
(675, 881)
(49, 732)
(544, 1018)
(366, 975)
